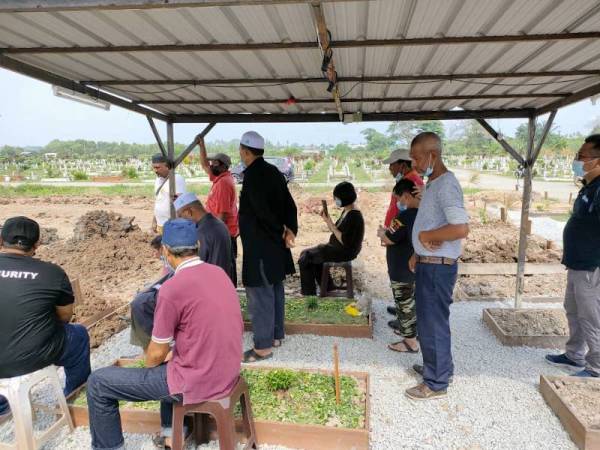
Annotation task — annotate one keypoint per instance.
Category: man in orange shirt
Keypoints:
(400, 168)
(222, 200)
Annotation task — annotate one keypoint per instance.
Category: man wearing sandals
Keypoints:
(397, 238)
(196, 345)
(268, 226)
(441, 224)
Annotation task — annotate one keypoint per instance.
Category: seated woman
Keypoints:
(344, 244)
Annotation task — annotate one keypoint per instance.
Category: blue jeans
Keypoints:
(108, 385)
(266, 305)
(75, 359)
(433, 296)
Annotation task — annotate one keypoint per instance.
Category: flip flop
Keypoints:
(251, 356)
(406, 346)
(277, 343)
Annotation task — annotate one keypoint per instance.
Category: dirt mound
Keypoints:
(533, 322)
(112, 259)
(103, 223)
(48, 235)
(498, 242)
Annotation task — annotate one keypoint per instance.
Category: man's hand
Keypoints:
(381, 231)
(412, 263)
(200, 142)
(428, 243)
(289, 238)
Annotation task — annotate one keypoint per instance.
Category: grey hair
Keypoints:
(428, 136)
(182, 251)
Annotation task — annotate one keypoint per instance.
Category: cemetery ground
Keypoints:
(494, 401)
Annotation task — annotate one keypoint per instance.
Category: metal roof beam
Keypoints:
(576, 97)
(427, 41)
(266, 101)
(374, 79)
(103, 5)
(367, 117)
(57, 80)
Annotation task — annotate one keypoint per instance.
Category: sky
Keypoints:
(30, 114)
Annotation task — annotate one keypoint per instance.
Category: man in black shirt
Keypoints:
(398, 241)
(36, 305)
(268, 227)
(214, 238)
(581, 256)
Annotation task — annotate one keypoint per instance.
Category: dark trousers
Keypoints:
(434, 287)
(266, 306)
(108, 385)
(311, 269)
(142, 318)
(234, 253)
(75, 360)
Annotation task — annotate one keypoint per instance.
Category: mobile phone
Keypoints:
(324, 205)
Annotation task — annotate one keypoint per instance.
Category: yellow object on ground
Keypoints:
(352, 310)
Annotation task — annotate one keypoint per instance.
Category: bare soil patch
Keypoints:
(583, 396)
(534, 322)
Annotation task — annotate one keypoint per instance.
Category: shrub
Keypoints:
(280, 379)
(79, 175)
(309, 165)
(130, 172)
(312, 303)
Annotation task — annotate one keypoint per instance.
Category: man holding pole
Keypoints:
(440, 225)
(581, 256)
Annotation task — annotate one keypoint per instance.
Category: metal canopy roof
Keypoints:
(242, 61)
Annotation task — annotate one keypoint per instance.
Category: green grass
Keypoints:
(308, 398)
(320, 175)
(361, 175)
(290, 396)
(327, 311)
(471, 190)
(39, 190)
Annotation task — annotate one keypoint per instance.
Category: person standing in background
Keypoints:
(163, 197)
(222, 198)
(268, 228)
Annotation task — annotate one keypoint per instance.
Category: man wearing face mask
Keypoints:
(221, 201)
(344, 243)
(440, 225)
(399, 249)
(268, 228)
(581, 256)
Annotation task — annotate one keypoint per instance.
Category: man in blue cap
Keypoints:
(196, 345)
(213, 236)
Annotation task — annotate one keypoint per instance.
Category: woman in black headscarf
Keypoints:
(344, 243)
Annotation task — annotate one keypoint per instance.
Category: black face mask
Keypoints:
(215, 170)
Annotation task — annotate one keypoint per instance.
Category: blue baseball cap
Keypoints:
(184, 200)
(180, 233)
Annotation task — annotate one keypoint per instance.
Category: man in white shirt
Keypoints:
(162, 201)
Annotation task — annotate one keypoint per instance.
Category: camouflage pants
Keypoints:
(404, 297)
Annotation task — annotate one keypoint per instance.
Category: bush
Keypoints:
(312, 303)
(309, 165)
(130, 172)
(79, 175)
(280, 379)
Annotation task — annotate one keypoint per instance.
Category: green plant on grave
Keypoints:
(79, 175)
(483, 216)
(130, 172)
(312, 303)
(280, 380)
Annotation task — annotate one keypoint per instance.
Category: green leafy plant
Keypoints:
(130, 172)
(312, 303)
(79, 175)
(280, 379)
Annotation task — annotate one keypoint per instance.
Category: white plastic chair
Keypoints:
(17, 390)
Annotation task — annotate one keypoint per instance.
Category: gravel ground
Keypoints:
(494, 402)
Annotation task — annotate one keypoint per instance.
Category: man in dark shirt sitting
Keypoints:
(581, 256)
(37, 305)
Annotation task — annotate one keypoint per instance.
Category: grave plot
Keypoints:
(291, 407)
(546, 328)
(576, 402)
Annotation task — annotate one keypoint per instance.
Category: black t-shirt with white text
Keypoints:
(31, 335)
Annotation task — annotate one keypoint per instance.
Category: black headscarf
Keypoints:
(345, 192)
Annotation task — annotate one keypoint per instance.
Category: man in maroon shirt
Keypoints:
(195, 351)
(222, 199)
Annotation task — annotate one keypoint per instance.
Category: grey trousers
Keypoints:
(582, 304)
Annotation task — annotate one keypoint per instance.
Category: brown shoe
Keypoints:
(422, 392)
(418, 368)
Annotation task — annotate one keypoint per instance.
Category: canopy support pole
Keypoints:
(191, 147)
(157, 136)
(171, 158)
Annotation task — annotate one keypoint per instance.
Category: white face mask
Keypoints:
(338, 202)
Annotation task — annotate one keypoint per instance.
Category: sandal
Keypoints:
(407, 348)
(277, 343)
(251, 356)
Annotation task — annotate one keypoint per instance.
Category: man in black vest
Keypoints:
(268, 227)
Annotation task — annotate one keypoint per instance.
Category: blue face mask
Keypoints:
(338, 202)
(401, 206)
(578, 168)
(429, 169)
(399, 177)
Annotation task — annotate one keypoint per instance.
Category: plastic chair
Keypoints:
(17, 390)
(223, 412)
(348, 286)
